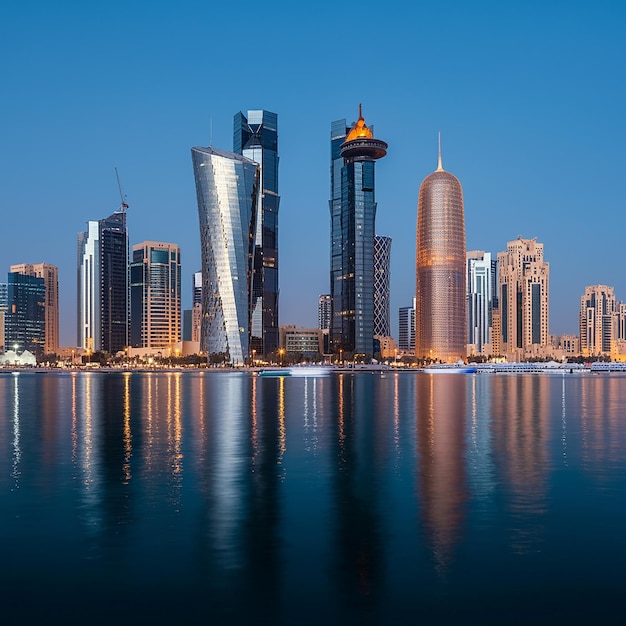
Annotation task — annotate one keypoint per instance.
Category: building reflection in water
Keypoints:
(17, 452)
(520, 429)
(602, 409)
(87, 458)
(481, 470)
(262, 484)
(440, 413)
(249, 495)
(357, 459)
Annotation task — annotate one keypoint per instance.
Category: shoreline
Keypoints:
(481, 368)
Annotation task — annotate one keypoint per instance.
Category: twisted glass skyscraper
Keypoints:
(354, 152)
(440, 269)
(227, 187)
(256, 137)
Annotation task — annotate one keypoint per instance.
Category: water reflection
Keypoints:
(356, 462)
(253, 495)
(17, 453)
(520, 436)
(442, 482)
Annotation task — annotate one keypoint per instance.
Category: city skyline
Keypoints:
(539, 121)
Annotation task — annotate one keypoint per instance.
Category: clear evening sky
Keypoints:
(530, 99)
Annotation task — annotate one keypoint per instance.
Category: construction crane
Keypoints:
(124, 205)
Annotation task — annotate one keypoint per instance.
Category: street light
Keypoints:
(253, 353)
(281, 352)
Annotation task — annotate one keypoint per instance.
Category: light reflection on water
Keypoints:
(387, 496)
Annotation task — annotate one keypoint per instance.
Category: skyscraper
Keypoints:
(25, 320)
(103, 285)
(354, 152)
(482, 288)
(50, 275)
(323, 311)
(256, 137)
(382, 285)
(197, 288)
(440, 268)
(155, 296)
(227, 186)
(195, 315)
(406, 328)
(523, 299)
(599, 314)
(4, 294)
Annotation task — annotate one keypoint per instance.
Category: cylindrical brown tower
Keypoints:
(440, 269)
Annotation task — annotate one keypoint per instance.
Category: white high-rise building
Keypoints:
(323, 311)
(481, 290)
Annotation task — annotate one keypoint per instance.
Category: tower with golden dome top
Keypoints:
(354, 152)
(440, 268)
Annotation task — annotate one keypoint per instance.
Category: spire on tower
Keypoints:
(439, 166)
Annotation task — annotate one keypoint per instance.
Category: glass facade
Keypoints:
(50, 274)
(382, 285)
(155, 295)
(353, 214)
(482, 287)
(3, 309)
(323, 311)
(115, 306)
(440, 269)
(227, 187)
(256, 138)
(25, 320)
(406, 328)
(89, 313)
(197, 288)
(103, 307)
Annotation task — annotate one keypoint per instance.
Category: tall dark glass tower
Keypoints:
(25, 323)
(354, 152)
(103, 285)
(256, 138)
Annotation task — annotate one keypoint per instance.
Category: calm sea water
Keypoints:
(222, 498)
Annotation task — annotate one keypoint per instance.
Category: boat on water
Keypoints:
(450, 368)
(295, 371)
(275, 373)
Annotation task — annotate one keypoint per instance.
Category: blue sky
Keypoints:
(529, 97)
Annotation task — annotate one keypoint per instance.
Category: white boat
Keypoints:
(450, 368)
(275, 373)
(297, 371)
